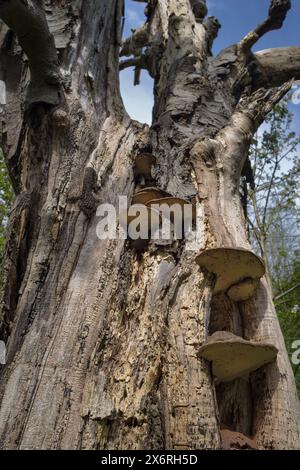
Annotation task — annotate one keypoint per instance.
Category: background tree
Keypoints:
(6, 198)
(287, 301)
(273, 214)
(273, 210)
(102, 340)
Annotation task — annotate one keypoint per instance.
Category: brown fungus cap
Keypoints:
(147, 194)
(169, 200)
(234, 357)
(235, 269)
(172, 201)
(243, 290)
(143, 164)
(147, 215)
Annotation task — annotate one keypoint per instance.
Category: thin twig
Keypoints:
(287, 292)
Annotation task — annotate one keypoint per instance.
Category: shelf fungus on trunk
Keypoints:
(169, 203)
(144, 196)
(233, 357)
(140, 221)
(237, 271)
(232, 440)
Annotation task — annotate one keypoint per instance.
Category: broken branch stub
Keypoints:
(237, 271)
(277, 14)
(199, 8)
(233, 357)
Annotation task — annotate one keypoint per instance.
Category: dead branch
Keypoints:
(28, 21)
(277, 14)
(287, 292)
(138, 62)
(233, 141)
(212, 26)
(134, 43)
(276, 66)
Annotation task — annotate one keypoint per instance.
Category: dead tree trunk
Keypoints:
(102, 340)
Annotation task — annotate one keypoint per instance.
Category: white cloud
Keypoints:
(132, 15)
(134, 18)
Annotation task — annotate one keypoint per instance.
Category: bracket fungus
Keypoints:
(147, 218)
(143, 164)
(238, 271)
(173, 201)
(233, 357)
(243, 290)
(147, 194)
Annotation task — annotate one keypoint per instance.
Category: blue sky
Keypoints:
(237, 17)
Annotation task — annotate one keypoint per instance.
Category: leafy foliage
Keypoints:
(6, 199)
(288, 309)
(274, 210)
(274, 216)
